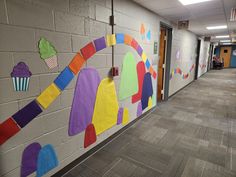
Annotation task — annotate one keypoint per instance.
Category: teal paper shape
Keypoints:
(47, 160)
(129, 78)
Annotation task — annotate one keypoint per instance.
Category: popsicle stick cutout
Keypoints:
(46, 98)
(48, 53)
(21, 77)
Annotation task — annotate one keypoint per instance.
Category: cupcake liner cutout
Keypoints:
(21, 77)
(48, 53)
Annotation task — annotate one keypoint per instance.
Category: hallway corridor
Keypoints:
(193, 134)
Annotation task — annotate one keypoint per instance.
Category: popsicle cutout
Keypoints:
(48, 95)
(140, 72)
(84, 99)
(64, 78)
(120, 38)
(48, 53)
(142, 31)
(139, 109)
(100, 43)
(8, 128)
(125, 119)
(149, 35)
(106, 106)
(111, 40)
(47, 160)
(90, 136)
(29, 159)
(147, 90)
(120, 116)
(129, 80)
(27, 114)
(77, 63)
(88, 51)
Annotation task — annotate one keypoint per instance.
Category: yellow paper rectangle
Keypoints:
(144, 57)
(48, 96)
(111, 40)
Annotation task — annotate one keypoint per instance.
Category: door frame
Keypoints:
(167, 59)
(197, 58)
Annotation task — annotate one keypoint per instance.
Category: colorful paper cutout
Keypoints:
(47, 160)
(140, 72)
(90, 136)
(147, 90)
(111, 40)
(149, 35)
(106, 106)
(88, 51)
(139, 50)
(129, 79)
(29, 159)
(64, 78)
(180, 72)
(150, 103)
(21, 76)
(8, 128)
(154, 99)
(100, 43)
(142, 31)
(139, 109)
(120, 38)
(120, 116)
(84, 99)
(125, 119)
(147, 63)
(48, 53)
(134, 44)
(48, 95)
(27, 114)
(128, 39)
(144, 57)
(77, 63)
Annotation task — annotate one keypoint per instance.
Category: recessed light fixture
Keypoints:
(223, 36)
(216, 27)
(225, 40)
(188, 2)
(227, 43)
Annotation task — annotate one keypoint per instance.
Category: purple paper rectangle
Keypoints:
(100, 43)
(26, 114)
(139, 50)
(120, 116)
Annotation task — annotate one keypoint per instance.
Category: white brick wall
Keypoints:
(69, 25)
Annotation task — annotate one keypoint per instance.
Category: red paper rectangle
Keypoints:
(88, 51)
(134, 44)
(8, 129)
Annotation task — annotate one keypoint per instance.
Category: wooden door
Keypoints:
(160, 64)
(225, 55)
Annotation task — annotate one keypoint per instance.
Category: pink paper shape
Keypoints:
(84, 99)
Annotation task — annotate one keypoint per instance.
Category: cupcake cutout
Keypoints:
(48, 53)
(21, 77)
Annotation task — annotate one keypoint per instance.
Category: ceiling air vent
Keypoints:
(233, 15)
(183, 24)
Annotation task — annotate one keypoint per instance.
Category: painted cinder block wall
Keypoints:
(69, 25)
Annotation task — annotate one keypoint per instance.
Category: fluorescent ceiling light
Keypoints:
(188, 2)
(223, 36)
(216, 27)
(228, 43)
(225, 40)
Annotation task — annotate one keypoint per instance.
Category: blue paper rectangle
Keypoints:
(120, 38)
(147, 64)
(63, 80)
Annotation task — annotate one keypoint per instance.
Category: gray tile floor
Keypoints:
(191, 135)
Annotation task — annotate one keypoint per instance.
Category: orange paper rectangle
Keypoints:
(76, 63)
(128, 39)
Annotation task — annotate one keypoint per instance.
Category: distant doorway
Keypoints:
(225, 55)
(197, 58)
(165, 42)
